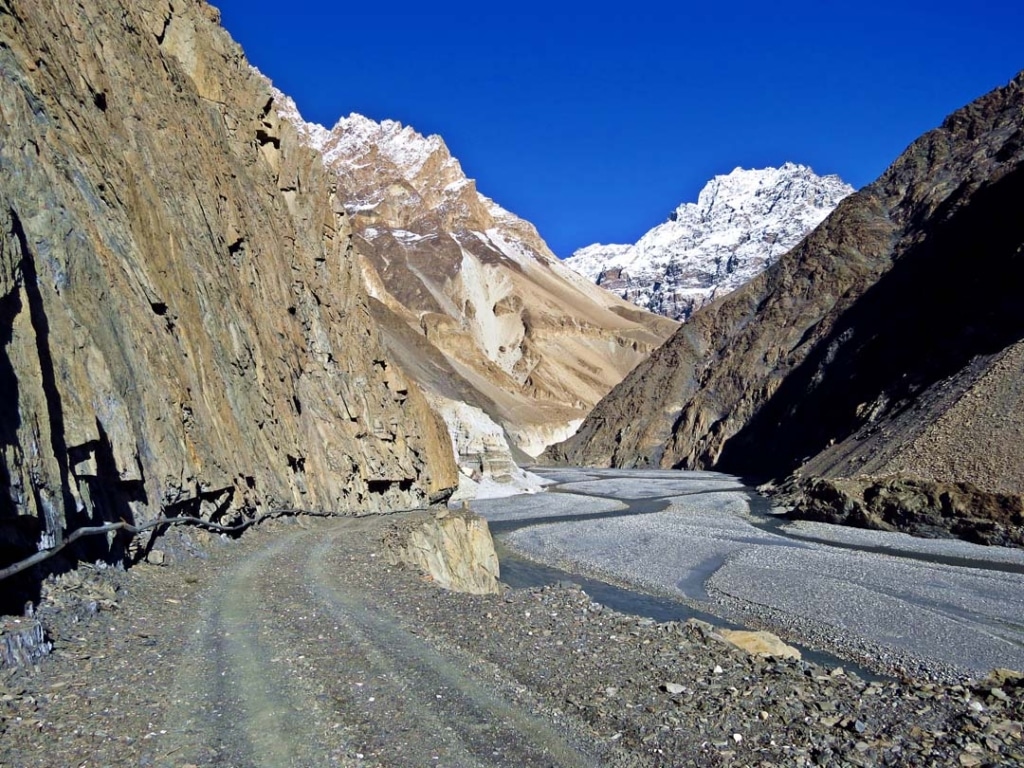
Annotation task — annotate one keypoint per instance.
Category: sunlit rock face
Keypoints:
(741, 223)
(889, 341)
(183, 315)
(453, 548)
(473, 302)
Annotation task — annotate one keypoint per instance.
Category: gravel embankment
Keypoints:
(616, 689)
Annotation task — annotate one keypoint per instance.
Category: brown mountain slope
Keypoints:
(887, 341)
(183, 322)
(532, 343)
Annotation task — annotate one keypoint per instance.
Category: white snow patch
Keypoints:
(405, 236)
(499, 336)
(486, 468)
(741, 223)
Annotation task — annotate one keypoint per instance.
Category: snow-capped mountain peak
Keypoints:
(312, 134)
(741, 223)
(399, 144)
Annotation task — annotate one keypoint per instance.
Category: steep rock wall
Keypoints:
(181, 314)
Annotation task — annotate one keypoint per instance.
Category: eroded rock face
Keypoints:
(888, 341)
(181, 310)
(453, 547)
(920, 507)
(502, 324)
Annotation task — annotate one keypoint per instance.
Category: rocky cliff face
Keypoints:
(184, 325)
(888, 341)
(741, 223)
(473, 302)
(454, 548)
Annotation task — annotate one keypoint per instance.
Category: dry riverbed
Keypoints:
(300, 645)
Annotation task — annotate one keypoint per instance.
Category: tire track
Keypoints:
(238, 706)
(444, 714)
(290, 664)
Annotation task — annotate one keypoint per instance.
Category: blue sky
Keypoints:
(594, 121)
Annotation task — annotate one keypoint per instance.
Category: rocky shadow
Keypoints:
(955, 295)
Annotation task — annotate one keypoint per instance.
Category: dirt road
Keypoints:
(295, 664)
(299, 646)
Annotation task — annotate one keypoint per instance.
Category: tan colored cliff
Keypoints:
(184, 325)
(502, 325)
(454, 548)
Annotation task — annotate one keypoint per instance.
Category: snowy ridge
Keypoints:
(355, 136)
(357, 142)
(311, 134)
(741, 223)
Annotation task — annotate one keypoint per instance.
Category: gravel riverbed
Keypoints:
(940, 609)
(607, 688)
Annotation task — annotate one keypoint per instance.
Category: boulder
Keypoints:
(759, 643)
(454, 548)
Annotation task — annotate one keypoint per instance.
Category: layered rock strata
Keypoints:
(888, 341)
(454, 548)
(182, 315)
(472, 301)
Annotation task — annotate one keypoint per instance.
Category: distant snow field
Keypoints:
(741, 223)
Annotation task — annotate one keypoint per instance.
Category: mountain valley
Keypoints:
(471, 300)
(218, 317)
(885, 344)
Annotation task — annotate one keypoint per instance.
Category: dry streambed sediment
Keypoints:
(307, 647)
(897, 604)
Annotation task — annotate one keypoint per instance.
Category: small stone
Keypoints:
(976, 706)
(737, 737)
(1000, 677)
(718, 670)
(673, 688)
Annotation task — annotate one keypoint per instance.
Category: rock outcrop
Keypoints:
(911, 505)
(472, 302)
(182, 314)
(891, 340)
(454, 548)
(741, 223)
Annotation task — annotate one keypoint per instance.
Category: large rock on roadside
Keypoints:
(454, 548)
(22, 642)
